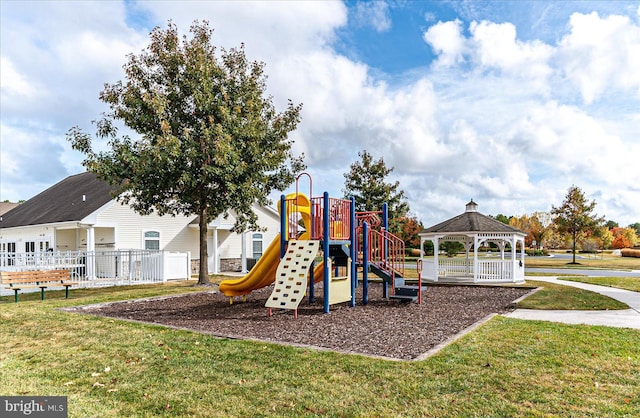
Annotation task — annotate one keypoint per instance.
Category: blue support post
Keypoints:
(325, 250)
(354, 270)
(283, 226)
(365, 263)
(385, 226)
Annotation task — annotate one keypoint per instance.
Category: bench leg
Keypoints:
(42, 293)
(66, 292)
(16, 295)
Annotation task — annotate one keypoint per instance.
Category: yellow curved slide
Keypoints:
(264, 272)
(261, 275)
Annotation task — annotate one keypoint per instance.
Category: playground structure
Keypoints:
(324, 239)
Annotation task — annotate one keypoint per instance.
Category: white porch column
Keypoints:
(91, 252)
(243, 256)
(216, 266)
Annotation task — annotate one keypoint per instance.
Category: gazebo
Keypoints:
(474, 230)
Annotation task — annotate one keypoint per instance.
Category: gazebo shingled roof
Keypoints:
(471, 221)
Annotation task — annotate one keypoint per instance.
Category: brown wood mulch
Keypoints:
(383, 328)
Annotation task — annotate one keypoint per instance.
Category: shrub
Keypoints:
(628, 252)
(535, 253)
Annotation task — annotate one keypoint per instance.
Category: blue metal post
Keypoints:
(385, 226)
(283, 226)
(325, 250)
(365, 263)
(354, 270)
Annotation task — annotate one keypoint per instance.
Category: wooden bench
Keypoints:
(31, 279)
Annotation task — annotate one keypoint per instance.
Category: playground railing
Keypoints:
(338, 211)
(385, 250)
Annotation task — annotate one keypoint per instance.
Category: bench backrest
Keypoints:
(34, 276)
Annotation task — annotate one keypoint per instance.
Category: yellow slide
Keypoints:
(261, 275)
(264, 272)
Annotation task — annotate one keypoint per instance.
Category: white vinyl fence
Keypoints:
(105, 268)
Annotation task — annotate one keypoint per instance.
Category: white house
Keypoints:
(79, 214)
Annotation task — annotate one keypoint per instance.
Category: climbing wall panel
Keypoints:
(291, 275)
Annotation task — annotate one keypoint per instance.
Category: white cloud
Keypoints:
(270, 30)
(374, 14)
(601, 54)
(447, 41)
(496, 46)
(15, 86)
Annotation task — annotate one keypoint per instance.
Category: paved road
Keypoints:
(626, 318)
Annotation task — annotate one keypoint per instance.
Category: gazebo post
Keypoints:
(436, 265)
(513, 257)
(475, 258)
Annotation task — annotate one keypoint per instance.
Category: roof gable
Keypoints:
(72, 199)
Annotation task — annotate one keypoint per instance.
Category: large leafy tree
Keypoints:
(209, 139)
(575, 216)
(367, 182)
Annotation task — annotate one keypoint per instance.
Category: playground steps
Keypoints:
(405, 293)
(402, 291)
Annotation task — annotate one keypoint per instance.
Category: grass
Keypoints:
(556, 296)
(592, 262)
(627, 283)
(114, 368)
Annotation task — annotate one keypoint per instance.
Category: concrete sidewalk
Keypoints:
(627, 318)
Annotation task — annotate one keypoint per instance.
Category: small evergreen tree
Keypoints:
(367, 183)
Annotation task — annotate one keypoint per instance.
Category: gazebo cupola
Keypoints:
(472, 206)
(474, 230)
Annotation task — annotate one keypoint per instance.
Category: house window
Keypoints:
(30, 247)
(152, 240)
(256, 245)
(7, 254)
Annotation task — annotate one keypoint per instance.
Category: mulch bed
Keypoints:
(382, 328)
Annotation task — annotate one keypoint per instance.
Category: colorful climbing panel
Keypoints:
(291, 275)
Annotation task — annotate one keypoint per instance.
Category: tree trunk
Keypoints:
(574, 248)
(203, 271)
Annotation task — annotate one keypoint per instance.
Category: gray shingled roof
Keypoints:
(72, 199)
(472, 221)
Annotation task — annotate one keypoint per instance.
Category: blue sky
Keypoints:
(506, 102)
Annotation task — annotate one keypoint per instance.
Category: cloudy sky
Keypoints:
(506, 102)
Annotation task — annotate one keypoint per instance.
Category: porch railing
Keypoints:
(105, 267)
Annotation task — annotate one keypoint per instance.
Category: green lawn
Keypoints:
(605, 261)
(114, 368)
(627, 283)
(557, 296)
